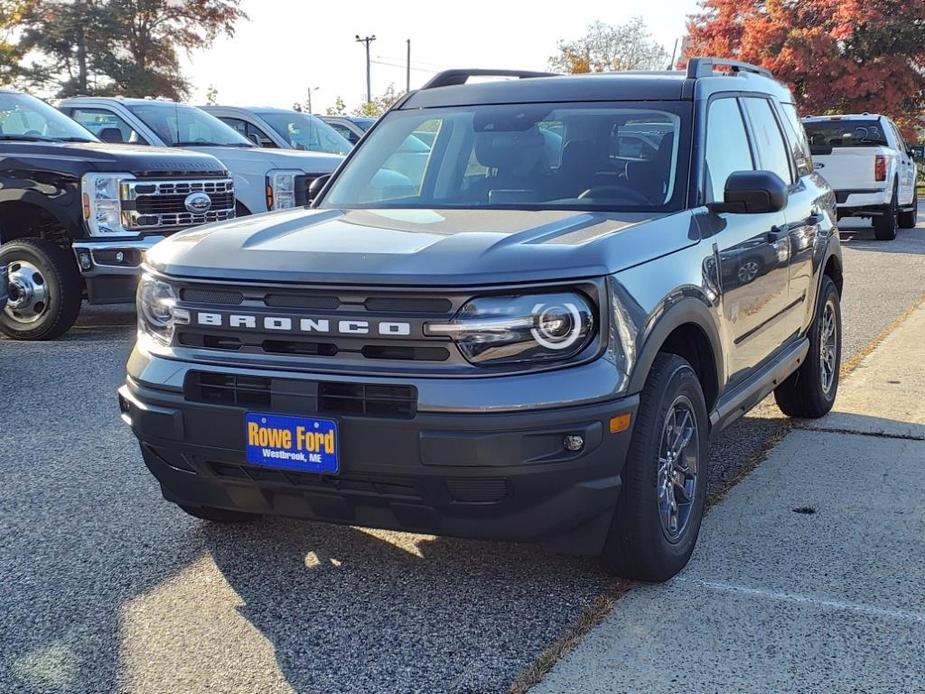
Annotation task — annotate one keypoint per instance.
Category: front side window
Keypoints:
(774, 153)
(526, 156)
(728, 150)
(303, 131)
(23, 117)
(179, 125)
(107, 126)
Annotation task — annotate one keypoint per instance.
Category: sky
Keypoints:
(289, 46)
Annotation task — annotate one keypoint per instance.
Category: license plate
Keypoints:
(292, 443)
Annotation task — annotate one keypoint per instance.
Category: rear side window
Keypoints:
(728, 150)
(769, 141)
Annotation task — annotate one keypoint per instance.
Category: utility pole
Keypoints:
(367, 40)
(309, 103)
(408, 68)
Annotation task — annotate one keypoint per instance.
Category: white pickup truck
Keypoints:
(866, 160)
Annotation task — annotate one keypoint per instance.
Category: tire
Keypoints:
(805, 393)
(45, 291)
(641, 544)
(909, 219)
(218, 515)
(886, 225)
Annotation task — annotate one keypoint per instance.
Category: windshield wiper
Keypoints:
(26, 138)
(210, 144)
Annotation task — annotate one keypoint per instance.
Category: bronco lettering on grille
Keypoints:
(315, 326)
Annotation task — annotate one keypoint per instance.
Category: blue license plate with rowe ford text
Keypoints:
(292, 443)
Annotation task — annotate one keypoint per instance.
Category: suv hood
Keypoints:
(253, 158)
(421, 247)
(136, 160)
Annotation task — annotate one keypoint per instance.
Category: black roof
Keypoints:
(625, 86)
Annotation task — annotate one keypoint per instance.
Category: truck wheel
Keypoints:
(885, 226)
(810, 391)
(218, 515)
(908, 219)
(44, 290)
(658, 516)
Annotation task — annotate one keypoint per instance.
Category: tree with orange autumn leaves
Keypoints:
(838, 56)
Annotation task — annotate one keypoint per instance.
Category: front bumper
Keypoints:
(492, 475)
(110, 269)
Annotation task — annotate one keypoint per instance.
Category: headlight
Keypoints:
(523, 328)
(281, 189)
(102, 202)
(158, 314)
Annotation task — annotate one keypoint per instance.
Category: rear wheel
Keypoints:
(44, 290)
(909, 218)
(885, 226)
(810, 391)
(658, 516)
(218, 515)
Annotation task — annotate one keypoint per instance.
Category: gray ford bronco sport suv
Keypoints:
(531, 333)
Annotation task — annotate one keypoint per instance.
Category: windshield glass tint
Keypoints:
(26, 116)
(177, 124)
(845, 133)
(613, 156)
(303, 131)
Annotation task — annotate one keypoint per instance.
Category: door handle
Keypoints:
(776, 234)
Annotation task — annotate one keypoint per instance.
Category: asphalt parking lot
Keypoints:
(108, 588)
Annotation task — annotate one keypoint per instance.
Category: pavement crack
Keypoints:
(858, 432)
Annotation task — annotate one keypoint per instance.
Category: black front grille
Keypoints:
(302, 397)
(351, 485)
(172, 204)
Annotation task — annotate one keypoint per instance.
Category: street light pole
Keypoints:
(408, 68)
(367, 40)
(309, 104)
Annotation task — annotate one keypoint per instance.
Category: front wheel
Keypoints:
(810, 391)
(44, 290)
(661, 505)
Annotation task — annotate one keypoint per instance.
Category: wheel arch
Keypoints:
(688, 330)
(29, 216)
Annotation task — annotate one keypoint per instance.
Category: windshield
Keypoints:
(600, 156)
(23, 117)
(845, 133)
(303, 131)
(184, 126)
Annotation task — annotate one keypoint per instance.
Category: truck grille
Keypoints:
(148, 205)
(319, 328)
(302, 397)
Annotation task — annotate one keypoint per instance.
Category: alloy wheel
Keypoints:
(678, 465)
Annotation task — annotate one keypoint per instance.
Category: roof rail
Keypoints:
(704, 67)
(449, 78)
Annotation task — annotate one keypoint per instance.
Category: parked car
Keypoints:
(282, 128)
(866, 160)
(352, 128)
(264, 180)
(77, 214)
(500, 347)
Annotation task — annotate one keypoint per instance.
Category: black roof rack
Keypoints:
(704, 67)
(449, 78)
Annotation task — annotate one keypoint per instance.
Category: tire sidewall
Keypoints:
(828, 292)
(637, 525)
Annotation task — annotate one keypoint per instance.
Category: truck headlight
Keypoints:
(158, 314)
(102, 202)
(520, 328)
(281, 188)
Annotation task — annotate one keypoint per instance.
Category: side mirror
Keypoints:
(315, 187)
(753, 192)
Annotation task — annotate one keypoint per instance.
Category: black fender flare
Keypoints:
(40, 202)
(686, 311)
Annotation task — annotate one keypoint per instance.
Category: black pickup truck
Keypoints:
(76, 214)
